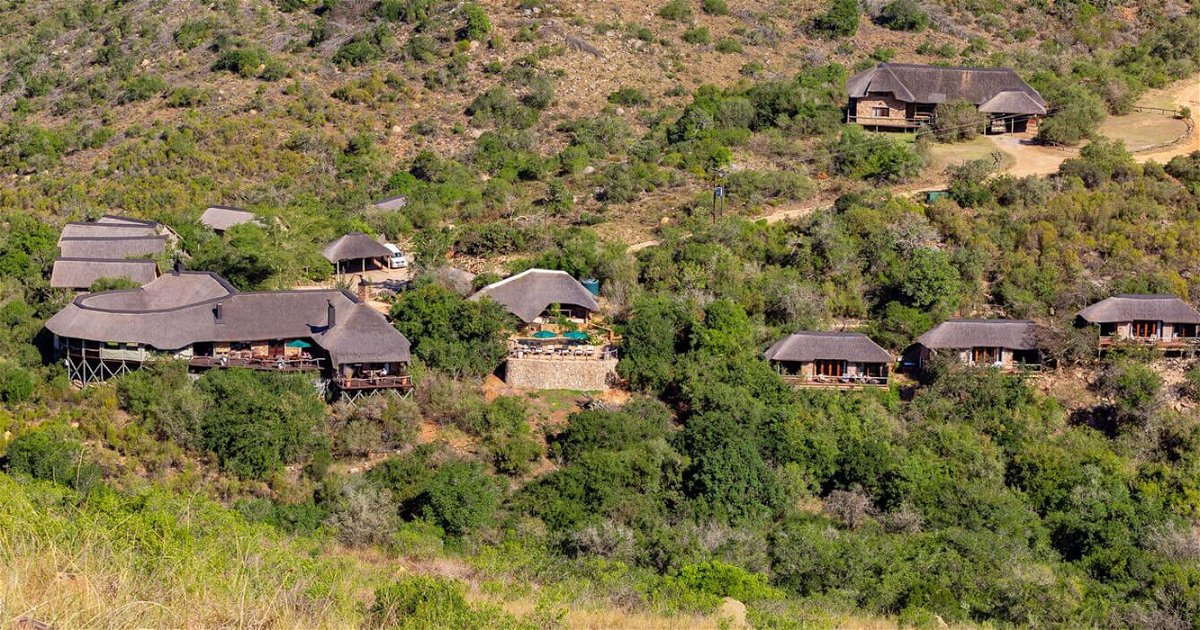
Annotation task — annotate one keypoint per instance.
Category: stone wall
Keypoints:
(531, 373)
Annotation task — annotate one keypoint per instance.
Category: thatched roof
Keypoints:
(807, 346)
(112, 219)
(1000, 89)
(114, 229)
(112, 248)
(355, 246)
(391, 203)
(180, 309)
(960, 334)
(1129, 307)
(221, 218)
(80, 273)
(530, 292)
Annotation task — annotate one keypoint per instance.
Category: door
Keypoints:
(1144, 329)
(830, 368)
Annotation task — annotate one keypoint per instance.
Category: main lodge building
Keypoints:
(201, 318)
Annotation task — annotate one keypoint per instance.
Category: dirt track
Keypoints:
(1031, 159)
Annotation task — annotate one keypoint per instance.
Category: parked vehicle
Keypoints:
(398, 259)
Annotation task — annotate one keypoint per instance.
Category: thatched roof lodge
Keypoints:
(110, 227)
(111, 248)
(1164, 321)
(843, 359)
(221, 218)
(529, 295)
(356, 246)
(1008, 344)
(901, 95)
(81, 273)
(201, 318)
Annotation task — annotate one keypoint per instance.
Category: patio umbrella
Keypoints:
(298, 343)
(544, 334)
(576, 335)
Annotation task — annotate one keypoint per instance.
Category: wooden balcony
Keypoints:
(557, 350)
(275, 364)
(373, 382)
(837, 382)
(1156, 341)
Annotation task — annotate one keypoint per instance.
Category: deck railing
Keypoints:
(561, 351)
(1155, 340)
(373, 382)
(278, 364)
(848, 381)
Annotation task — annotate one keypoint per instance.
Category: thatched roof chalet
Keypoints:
(808, 346)
(1130, 307)
(531, 292)
(993, 90)
(185, 308)
(961, 334)
(355, 246)
(221, 218)
(81, 273)
(110, 248)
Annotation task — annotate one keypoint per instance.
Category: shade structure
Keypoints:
(576, 335)
(298, 343)
(544, 334)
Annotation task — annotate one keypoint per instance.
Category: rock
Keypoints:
(620, 111)
(397, 129)
(734, 611)
(589, 169)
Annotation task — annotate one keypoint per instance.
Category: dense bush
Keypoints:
(51, 451)
(957, 121)
(839, 20)
(256, 422)
(450, 333)
(903, 15)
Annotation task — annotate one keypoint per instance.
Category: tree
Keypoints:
(957, 121)
(51, 451)
(460, 497)
(727, 478)
(658, 330)
(877, 158)
(1078, 115)
(929, 279)
(256, 422)
(967, 185)
(903, 15)
(839, 20)
(449, 333)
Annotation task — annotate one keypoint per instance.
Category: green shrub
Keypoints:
(478, 25)
(677, 10)
(697, 35)
(51, 451)
(728, 45)
(903, 15)
(142, 87)
(256, 422)
(727, 580)
(460, 498)
(1078, 115)
(452, 334)
(629, 97)
(957, 121)
(429, 602)
(16, 384)
(188, 97)
(839, 20)
(715, 7)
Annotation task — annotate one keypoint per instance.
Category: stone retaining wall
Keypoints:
(531, 373)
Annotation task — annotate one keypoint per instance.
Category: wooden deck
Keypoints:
(1175, 343)
(373, 382)
(278, 364)
(875, 382)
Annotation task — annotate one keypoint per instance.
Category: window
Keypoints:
(880, 112)
(1144, 330)
(827, 367)
(985, 356)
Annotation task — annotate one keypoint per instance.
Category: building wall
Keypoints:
(896, 110)
(531, 373)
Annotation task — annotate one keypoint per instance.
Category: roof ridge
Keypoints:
(106, 260)
(523, 274)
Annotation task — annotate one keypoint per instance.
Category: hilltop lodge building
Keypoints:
(905, 96)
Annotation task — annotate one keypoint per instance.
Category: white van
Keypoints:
(398, 260)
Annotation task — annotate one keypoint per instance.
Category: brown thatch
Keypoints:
(81, 273)
(221, 218)
(107, 230)
(960, 334)
(180, 309)
(808, 346)
(112, 248)
(914, 83)
(355, 246)
(1132, 307)
(530, 292)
